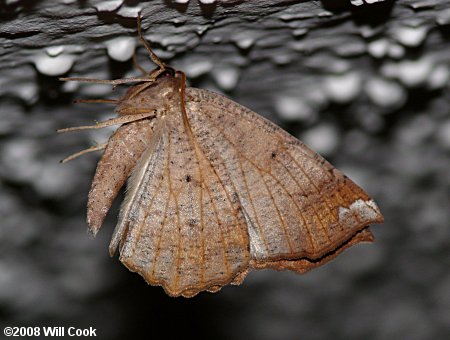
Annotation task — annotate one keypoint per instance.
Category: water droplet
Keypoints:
(282, 59)
(207, 2)
(226, 77)
(325, 14)
(28, 92)
(129, 12)
(385, 93)
(197, 68)
(108, 6)
(244, 40)
(121, 49)
(54, 66)
(439, 77)
(181, 1)
(53, 51)
(18, 159)
(178, 21)
(343, 88)
(410, 73)
(410, 36)
(300, 32)
(293, 108)
(378, 48)
(357, 2)
(396, 51)
(351, 48)
(70, 86)
(323, 138)
(443, 17)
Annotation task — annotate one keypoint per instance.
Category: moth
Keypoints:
(215, 190)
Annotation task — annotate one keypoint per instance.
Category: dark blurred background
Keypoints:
(364, 83)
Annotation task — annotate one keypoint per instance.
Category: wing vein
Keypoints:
(305, 223)
(252, 204)
(239, 154)
(175, 198)
(141, 224)
(211, 166)
(219, 224)
(314, 185)
(243, 176)
(312, 205)
(158, 247)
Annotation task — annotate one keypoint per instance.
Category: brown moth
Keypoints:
(214, 189)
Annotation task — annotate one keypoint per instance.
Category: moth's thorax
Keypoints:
(160, 95)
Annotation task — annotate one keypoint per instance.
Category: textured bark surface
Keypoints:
(365, 85)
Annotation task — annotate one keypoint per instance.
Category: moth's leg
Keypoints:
(109, 82)
(153, 56)
(107, 101)
(114, 121)
(134, 111)
(82, 152)
(154, 75)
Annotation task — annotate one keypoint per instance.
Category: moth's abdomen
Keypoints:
(124, 149)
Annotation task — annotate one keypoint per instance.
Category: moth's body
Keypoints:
(215, 190)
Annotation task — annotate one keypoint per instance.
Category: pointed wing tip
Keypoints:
(380, 219)
(360, 213)
(379, 216)
(91, 233)
(92, 230)
(94, 224)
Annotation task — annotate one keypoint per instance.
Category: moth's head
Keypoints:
(159, 94)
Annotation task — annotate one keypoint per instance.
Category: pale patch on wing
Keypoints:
(256, 243)
(359, 212)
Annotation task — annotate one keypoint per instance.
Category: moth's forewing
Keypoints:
(297, 205)
(124, 149)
